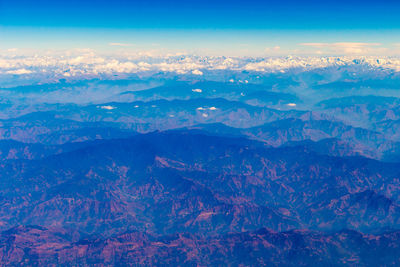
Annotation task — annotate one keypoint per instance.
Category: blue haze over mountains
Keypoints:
(231, 167)
(199, 133)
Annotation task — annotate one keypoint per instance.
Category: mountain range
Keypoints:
(238, 167)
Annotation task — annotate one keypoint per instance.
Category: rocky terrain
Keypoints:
(169, 169)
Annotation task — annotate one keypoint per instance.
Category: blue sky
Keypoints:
(258, 27)
(205, 14)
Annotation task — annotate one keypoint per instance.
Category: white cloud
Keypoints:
(197, 72)
(120, 44)
(108, 107)
(273, 49)
(345, 48)
(19, 72)
(88, 63)
(115, 66)
(85, 59)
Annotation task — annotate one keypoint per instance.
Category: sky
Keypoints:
(219, 27)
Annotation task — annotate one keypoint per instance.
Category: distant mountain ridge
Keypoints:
(265, 162)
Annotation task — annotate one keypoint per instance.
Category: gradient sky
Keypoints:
(252, 27)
